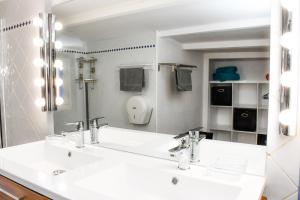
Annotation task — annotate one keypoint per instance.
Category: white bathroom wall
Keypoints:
(178, 112)
(23, 122)
(283, 160)
(106, 99)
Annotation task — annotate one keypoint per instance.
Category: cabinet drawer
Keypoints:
(10, 190)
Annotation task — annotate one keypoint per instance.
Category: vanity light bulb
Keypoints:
(287, 79)
(285, 117)
(38, 62)
(58, 82)
(40, 102)
(58, 64)
(58, 26)
(58, 45)
(38, 42)
(288, 4)
(59, 101)
(287, 40)
(38, 22)
(39, 82)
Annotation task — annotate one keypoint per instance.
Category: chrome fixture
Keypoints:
(181, 152)
(188, 149)
(175, 66)
(80, 129)
(50, 82)
(86, 82)
(94, 129)
(195, 139)
(92, 71)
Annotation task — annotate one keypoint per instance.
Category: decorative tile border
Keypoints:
(108, 50)
(17, 26)
(71, 51)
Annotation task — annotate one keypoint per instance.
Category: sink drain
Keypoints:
(174, 180)
(58, 172)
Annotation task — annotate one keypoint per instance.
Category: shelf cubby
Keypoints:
(222, 135)
(221, 118)
(246, 93)
(245, 137)
(262, 121)
(263, 89)
(261, 139)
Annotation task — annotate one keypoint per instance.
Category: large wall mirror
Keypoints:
(166, 67)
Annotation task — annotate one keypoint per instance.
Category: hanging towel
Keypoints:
(183, 79)
(131, 79)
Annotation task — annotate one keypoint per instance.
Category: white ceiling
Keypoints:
(74, 12)
(171, 15)
(244, 34)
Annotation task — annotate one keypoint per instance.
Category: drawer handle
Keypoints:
(220, 90)
(245, 115)
(10, 194)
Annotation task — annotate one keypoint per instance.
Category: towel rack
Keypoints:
(175, 65)
(144, 66)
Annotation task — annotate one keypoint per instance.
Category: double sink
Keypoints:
(60, 171)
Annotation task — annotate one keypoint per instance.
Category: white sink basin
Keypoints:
(129, 181)
(46, 158)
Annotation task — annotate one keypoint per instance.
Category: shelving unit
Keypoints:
(246, 93)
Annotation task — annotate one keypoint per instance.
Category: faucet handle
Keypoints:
(94, 121)
(79, 125)
(101, 125)
(184, 144)
(181, 135)
(196, 135)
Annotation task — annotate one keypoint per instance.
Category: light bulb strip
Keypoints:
(46, 41)
(286, 116)
(40, 22)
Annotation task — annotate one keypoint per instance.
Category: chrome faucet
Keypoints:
(181, 152)
(195, 139)
(95, 129)
(188, 149)
(80, 128)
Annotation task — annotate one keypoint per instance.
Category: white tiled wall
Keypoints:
(283, 152)
(24, 122)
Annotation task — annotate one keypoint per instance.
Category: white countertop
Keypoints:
(157, 145)
(66, 186)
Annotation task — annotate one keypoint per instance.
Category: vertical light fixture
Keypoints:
(49, 82)
(289, 71)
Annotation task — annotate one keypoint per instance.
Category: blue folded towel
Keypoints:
(226, 73)
(226, 76)
(227, 69)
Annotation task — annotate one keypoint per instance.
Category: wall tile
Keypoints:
(279, 185)
(283, 157)
(292, 197)
(24, 121)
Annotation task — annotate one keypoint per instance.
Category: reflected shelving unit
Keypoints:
(247, 93)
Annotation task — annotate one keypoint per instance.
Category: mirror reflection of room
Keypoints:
(157, 76)
(131, 99)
